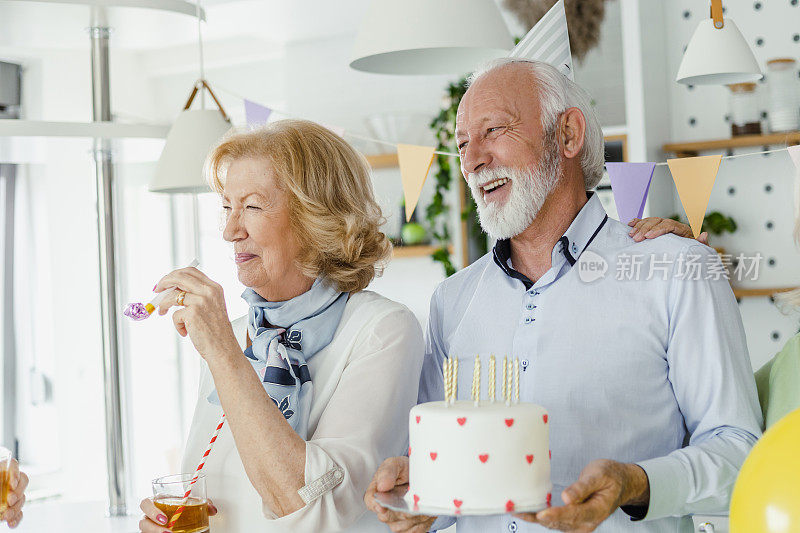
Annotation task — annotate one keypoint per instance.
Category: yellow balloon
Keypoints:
(766, 497)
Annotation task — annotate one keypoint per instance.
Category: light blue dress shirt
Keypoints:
(648, 371)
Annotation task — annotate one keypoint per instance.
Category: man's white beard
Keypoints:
(529, 189)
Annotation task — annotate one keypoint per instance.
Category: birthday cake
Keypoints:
(484, 457)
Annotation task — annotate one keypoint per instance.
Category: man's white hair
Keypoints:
(556, 94)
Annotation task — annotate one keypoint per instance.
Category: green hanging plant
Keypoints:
(443, 127)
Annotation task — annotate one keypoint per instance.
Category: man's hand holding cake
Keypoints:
(603, 486)
(391, 474)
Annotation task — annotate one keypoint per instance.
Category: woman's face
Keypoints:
(257, 223)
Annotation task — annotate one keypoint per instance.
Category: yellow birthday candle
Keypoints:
(505, 371)
(455, 379)
(491, 378)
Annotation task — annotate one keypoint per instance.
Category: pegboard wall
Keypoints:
(757, 191)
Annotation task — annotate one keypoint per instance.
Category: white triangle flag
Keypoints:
(548, 41)
(794, 153)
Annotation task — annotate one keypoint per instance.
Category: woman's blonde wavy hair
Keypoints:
(332, 210)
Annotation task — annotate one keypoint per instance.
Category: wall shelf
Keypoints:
(691, 149)
(766, 291)
(417, 250)
(97, 130)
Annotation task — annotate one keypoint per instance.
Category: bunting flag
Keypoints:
(415, 162)
(256, 114)
(694, 178)
(548, 41)
(630, 183)
(794, 153)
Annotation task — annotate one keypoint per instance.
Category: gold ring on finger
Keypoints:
(181, 296)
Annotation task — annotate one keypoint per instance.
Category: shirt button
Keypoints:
(512, 527)
(524, 364)
(574, 248)
(529, 307)
(528, 320)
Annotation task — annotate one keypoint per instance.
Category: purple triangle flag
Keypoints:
(630, 183)
(256, 114)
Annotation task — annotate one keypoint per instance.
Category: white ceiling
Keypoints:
(32, 24)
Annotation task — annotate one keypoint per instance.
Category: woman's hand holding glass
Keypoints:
(15, 498)
(155, 521)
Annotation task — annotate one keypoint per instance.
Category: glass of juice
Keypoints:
(168, 492)
(5, 477)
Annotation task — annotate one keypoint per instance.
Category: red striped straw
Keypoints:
(177, 514)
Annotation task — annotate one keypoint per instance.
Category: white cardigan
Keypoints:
(365, 382)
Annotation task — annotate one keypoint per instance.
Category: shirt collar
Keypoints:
(570, 246)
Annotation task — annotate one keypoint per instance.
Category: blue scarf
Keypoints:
(286, 335)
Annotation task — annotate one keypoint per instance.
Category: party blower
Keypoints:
(139, 311)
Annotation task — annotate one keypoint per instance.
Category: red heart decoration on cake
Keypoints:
(509, 422)
(457, 503)
(416, 499)
(509, 506)
(549, 499)
(461, 421)
(484, 457)
(544, 417)
(433, 456)
(417, 419)
(529, 458)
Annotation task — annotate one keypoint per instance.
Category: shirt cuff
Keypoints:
(322, 484)
(322, 475)
(669, 487)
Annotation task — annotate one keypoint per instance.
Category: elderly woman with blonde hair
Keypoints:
(317, 380)
(778, 381)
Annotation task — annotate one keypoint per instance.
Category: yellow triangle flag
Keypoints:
(415, 162)
(694, 178)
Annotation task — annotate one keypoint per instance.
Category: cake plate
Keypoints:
(395, 500)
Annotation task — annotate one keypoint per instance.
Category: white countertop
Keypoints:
(71, 517)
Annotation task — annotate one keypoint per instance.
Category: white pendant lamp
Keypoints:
(195, 132)
(718, 54)
(430, 36)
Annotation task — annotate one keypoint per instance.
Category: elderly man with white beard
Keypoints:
(645, 373)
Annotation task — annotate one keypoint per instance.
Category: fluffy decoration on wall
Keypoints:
(584, 19)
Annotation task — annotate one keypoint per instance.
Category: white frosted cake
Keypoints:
(467, 459)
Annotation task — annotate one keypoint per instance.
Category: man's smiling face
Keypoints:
(509, 161)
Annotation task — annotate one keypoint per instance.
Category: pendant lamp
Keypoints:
(195, 132)
(718, 54)
(429, 36)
